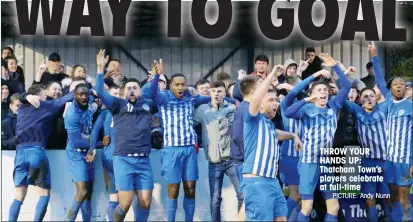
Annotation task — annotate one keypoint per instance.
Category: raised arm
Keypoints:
(289, 99)
(381, 82)
(107, 99)
(295, 110)
(156, 96)
(282, 135)
(97, 127)
(259, 93)
(351, 107)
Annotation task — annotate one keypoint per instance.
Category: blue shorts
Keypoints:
(264, 199)
(379, 187)
(179, 162)
(310, 174)
(133, 173)
(31, 167)
(289, 170)
(399, 173)
(81, 170)
(238, 168)
(108, 174)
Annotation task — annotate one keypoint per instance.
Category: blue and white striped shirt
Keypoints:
(318, 124)
(261, 152)
(399, 123)
(293, 126)
(176, 115)
(371, 129)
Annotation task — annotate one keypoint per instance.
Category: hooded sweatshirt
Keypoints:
(287, 63)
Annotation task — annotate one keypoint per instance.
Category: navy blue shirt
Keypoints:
(131, 122)
(35, 125)
(237, 133)
(8, 132)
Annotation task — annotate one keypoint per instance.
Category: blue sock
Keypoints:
(141, 214)
(86, 208)
(407, 213)
(14, 210)
(302, 217)
(41, 208)
(372, 213)
(294, 214)
(189, 207)
(111, 209)
(171, 205)
(74, 209)
(291, 205)
(135, 207)
(119, 215)
(396, 211)
(330, 217)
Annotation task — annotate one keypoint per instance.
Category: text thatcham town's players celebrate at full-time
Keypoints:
(286, 117)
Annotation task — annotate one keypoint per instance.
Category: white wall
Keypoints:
(63, 192)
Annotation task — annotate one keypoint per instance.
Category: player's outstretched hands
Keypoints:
(327, 59)
(372, 49)
(351, 71)
(297, 143)
(101, 60)
(33, 100)
(158, 67)
(312, 99)
(90, 156)
(324, 73)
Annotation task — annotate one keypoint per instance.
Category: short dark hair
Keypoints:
(114, 87)
(217, 84)
(320, 82)
(223, 76)
(132, 80)
(8, 48)
(177, 75)
(51, 83)
(309, 49)
(262, 58)
(14, 97)
(81, 85)
(201, 82)
(282, 92)
(246, 85)
(35, 89)
(10, 57)
(388, 84)
(369, 65)
(367, 88)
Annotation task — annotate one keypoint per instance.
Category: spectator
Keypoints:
(78, 72)
(58, 137)
(12, 77)
(290, 69)
(370, 79)
(408, 92)
(216, 118)
(113, 74)
(230, 91)
(203, 87)
(314, 63)
(4, 100)
(50, 71)
(8, 125)
(6, 52)
(225, 78)
(261, 66)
